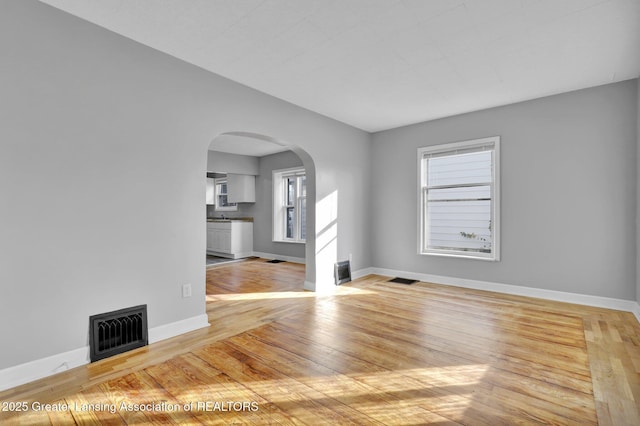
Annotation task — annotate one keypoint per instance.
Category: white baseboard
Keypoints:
(559, 296)
(176, 328)
(362, 273)
(636, 311)
(45, 367)
(34, 370)
(279, 257)
(239, 255)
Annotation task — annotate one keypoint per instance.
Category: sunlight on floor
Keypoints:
(280, 295)
(383, 394)
(260, 296)
(407, 384)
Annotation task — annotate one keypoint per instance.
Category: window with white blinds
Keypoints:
(459, 199)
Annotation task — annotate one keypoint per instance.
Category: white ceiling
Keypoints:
(379, 64)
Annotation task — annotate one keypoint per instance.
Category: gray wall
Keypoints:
(263, 209)
(103, 152)
(568, 192)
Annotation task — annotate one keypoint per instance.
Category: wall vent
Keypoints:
(342, 272)
(116, 332)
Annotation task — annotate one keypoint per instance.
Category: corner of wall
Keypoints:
(638, 197)
(636, 311)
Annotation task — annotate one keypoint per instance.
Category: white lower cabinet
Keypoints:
(232, 239)
(219, 240)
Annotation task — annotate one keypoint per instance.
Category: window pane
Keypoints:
(291, 184)
(460, 193)
(459, 225)
(223, 188)
(303, 219)
(289, 214)
(290, 222)
(459, 169)
(303, 186)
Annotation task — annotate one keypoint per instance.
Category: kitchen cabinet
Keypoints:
(210, 191)
(218, 240)
(230, 238)
(241, 188)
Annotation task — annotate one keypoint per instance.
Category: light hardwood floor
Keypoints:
(374, 353)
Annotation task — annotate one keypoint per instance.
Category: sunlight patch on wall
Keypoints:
(326, 241)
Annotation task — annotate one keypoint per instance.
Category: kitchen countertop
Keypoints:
(230, 219)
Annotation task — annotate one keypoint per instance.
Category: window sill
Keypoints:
(461, 256)
(290, 241)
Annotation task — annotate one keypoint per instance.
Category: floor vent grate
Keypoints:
(275, 261)
(402, 281)
(116, 332)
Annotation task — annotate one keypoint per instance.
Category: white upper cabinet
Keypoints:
(210, 191)
(241, 188)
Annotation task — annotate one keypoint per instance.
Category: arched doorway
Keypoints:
(260, 155)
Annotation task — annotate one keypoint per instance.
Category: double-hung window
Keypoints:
(222, 196)
(459, 194)
(289, 205)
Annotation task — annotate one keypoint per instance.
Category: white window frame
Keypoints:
(231, 207)
(279, 178)
(490, 143)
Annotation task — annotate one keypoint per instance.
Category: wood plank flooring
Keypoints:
(374, 353)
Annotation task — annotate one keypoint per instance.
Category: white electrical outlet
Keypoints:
(186, 290)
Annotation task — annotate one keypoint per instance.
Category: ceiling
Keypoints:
(380, 64)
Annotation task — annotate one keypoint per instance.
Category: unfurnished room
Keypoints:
(320, 212)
